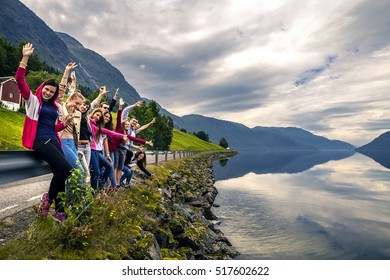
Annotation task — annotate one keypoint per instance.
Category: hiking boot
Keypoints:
(44, 207)
(59, 216)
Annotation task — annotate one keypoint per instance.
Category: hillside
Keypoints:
(11, 130)
(186, 141)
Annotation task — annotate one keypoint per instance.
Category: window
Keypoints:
(11, 95)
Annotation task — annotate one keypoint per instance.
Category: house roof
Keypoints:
(5, 79)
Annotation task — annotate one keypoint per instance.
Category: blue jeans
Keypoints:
(127, 174)
(98, 160)
(71, 153)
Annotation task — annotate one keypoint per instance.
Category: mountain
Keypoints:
(18, 23)
(241, 137)
(98, 70)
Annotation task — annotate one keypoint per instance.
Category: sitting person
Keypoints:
(138, 158)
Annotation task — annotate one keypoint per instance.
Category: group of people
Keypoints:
(76, 133)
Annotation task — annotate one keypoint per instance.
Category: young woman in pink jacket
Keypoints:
(41, 127)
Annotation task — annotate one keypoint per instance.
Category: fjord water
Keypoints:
(305, 205)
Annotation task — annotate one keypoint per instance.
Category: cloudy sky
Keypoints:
(323, 66)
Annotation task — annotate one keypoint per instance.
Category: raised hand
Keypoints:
(73, 76)
(68, 119)
(103, 90)
(70, 66)
(27, 50)
(139, 103)
(150, 143)
(121, 102)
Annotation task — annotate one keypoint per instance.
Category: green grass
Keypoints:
(186, 141)
(11, 124)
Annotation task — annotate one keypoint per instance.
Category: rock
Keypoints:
(154, 252)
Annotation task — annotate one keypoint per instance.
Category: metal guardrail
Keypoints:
(163, 156)
(20, 165)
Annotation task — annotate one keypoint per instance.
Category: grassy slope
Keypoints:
(186, 141)
(11, 124)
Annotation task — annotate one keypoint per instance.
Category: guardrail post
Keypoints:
(156, 157)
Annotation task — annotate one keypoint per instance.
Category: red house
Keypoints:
(9, 93)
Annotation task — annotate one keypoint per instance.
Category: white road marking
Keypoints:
(9, 207)
(34, 198)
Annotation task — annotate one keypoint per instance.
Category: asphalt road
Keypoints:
(19, 195)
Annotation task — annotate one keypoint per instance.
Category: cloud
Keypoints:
(322, 66)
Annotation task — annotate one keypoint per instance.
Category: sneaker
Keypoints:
(59, 216)
(44, 207)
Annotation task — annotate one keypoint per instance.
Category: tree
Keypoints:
(223, 143)
(202, 135)
(161, 131)
(35, 78)
(8, 58)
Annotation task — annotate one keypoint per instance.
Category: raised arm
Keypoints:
(65, 76)
(113, 100)
(96, 102)
(145, 126)
(73, 85)
(27, 51)
(125, 113)
(139, 140)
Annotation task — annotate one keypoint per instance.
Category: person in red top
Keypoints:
(41, 127)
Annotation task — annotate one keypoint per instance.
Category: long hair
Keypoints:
(142, 161)
(108, 125)
(99, 123)
(124, 131)
(85, 114)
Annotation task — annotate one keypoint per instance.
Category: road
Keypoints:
(19, 195)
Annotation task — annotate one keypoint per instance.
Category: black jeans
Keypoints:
(51, 152)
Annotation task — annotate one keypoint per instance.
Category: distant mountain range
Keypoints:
(18, 23)
(241, 137)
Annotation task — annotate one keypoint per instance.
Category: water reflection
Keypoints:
(274, 162)
(336, 210)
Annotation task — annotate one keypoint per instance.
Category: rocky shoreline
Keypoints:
(184, 226)
(190, 193)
